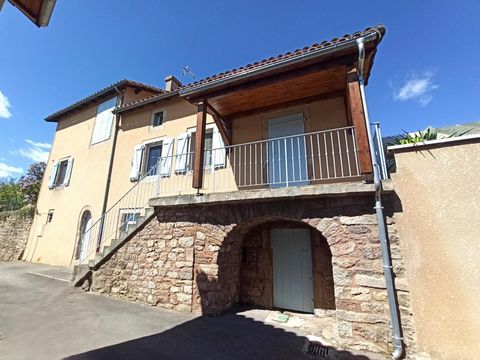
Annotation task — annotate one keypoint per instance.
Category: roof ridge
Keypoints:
(92, 96)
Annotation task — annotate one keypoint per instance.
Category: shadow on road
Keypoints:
(229, 336)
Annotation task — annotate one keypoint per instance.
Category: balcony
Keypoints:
(298, 160)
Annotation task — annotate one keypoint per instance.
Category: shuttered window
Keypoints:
(61, 173)
(103, 121)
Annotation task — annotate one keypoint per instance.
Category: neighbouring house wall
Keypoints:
(439, 227)
(14, 229)
(189, 259)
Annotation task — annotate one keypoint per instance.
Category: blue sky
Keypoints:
(426, 71)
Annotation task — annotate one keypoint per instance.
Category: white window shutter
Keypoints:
(53, 175)
(136, 164)
(181, 153)
(68, 172)
(167, 156)
(103, 121)
(218, 149)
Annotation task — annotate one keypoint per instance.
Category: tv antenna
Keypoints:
(187, 71)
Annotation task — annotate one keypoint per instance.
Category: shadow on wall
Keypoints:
(232, 335)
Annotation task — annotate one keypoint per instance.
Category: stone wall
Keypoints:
(14, 230)
(190, 259)
(155, 267)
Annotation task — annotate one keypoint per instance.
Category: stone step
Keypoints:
(80, 272)
(122, 235)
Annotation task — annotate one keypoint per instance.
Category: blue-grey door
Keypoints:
(292, 269)
(287, 161)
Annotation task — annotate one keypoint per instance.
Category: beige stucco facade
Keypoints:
(439, 226)
(55, 242)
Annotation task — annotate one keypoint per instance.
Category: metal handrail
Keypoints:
(101, 235)
(289, 136)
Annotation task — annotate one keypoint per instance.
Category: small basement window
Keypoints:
(128, 218)
(158, 118)
(49, 216)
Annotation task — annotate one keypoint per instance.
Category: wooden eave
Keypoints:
(302, 82)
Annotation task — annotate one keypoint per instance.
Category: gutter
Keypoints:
(397, 339)
(319, 53)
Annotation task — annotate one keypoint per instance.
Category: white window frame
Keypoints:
(62, 185)
(123, 211)
(147, 144)
(152, 117)
(210, 126)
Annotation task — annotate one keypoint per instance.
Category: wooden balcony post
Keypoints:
(198, 156)
(357, 117)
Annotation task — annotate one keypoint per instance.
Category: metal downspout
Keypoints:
(385, 247)
(110, 164)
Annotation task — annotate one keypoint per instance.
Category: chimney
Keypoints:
(172, 83)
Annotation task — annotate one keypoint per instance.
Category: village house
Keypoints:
(259, 185)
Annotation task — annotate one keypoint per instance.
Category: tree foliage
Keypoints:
(11, 197)
(17, 194)
(31, 181)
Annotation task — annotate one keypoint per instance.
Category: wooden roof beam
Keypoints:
(224, 126)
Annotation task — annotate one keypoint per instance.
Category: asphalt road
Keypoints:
(43, 317)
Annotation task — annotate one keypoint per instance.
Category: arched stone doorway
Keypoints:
(286, 265)
(83, 241)
(246, 264)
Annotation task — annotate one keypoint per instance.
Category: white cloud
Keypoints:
(417, 88)
(9, 171)
(4, 107)
(36, 151)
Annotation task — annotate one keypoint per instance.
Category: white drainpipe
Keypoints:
(387, 263)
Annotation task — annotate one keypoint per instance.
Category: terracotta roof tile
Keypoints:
(248, 68)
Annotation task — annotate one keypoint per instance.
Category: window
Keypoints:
(146, 156)
(49, 216)
(158, 118)
(103, 121)
(61, 172)
(207, 159)
(153, 155)
(128, 219)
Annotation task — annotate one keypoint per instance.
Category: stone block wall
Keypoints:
(190, 259)
(155, 267)
(14, 230)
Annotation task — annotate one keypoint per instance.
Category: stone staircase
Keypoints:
(82, 272)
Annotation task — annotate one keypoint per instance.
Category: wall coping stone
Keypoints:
(297, 192)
